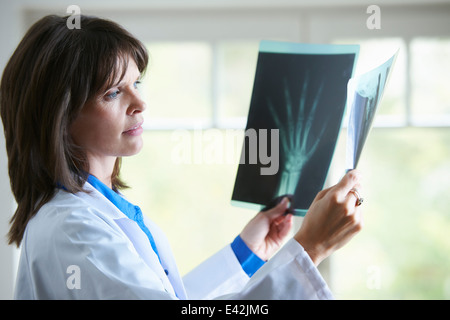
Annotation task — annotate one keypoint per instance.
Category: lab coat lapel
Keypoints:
(136, 236)
(167, 259)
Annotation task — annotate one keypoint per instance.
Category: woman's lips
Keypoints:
(135, 131)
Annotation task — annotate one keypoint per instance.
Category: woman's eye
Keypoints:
(136, 84)
(113, 94)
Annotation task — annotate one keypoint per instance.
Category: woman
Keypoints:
(71, 109)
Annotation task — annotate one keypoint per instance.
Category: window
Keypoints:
(199, 84)
(430, 97)
(178, 82)
(402, 251)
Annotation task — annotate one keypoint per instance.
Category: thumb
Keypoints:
(279, 209)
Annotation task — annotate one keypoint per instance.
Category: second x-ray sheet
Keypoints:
(364, 96)
(296, 111)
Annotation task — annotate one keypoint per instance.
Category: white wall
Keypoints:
(9, 36)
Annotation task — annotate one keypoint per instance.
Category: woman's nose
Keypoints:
(137, 105)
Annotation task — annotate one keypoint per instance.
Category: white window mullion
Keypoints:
(408, 92)
(215, 86)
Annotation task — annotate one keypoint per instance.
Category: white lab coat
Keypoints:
(82, 247)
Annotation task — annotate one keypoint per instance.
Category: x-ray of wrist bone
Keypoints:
(364, 94)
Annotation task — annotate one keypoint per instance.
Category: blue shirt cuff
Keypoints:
(249, 261)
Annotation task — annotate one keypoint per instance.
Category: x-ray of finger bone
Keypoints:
(364, 94)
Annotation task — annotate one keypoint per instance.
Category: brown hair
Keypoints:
(53, 72)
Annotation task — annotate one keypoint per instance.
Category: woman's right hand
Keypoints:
(332, 219)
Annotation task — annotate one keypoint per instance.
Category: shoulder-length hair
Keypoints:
(53, 72)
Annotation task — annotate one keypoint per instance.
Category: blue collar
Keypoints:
(131, 211)
(123, 205)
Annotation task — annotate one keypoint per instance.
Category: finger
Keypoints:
(285, 225)
(353, 209)
(275, 201)
(360, 220)
(282, 218)
(348, 182)
(281, 225)
(355, 193)
(356, 221)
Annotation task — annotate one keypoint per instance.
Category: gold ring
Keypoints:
(359, 199)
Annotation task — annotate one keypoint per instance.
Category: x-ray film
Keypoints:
(296, 112)
(363, 97)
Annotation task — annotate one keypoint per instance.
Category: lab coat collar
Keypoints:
(122, 204)
(130, 210)
(97, 200)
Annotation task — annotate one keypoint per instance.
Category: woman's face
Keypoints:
(110, 125)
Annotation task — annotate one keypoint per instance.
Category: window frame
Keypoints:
(318, 22)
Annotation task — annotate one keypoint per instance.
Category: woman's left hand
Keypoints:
(265, 233)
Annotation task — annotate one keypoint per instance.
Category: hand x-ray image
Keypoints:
(364, 95)
(296, 112)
